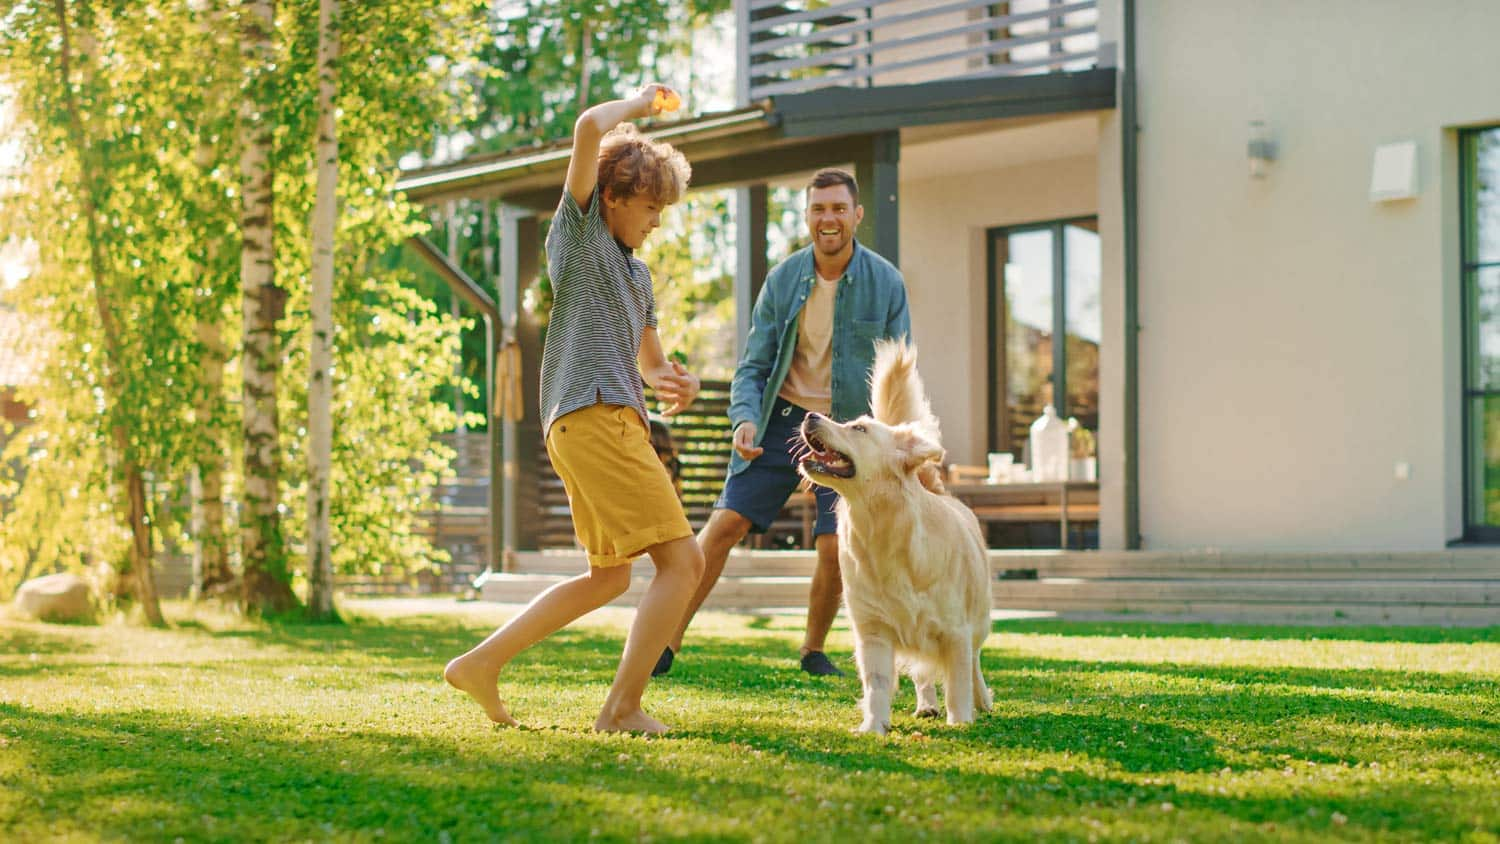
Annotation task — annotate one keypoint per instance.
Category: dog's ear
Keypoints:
(916, 449)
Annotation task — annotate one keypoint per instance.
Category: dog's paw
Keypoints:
(927, 712)
(873, 727)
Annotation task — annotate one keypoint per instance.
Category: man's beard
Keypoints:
(843, 242)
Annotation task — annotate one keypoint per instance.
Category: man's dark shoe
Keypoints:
(663, 663)
(817, 664)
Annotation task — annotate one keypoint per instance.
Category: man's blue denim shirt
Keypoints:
(870, 305)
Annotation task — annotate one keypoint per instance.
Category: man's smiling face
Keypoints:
(832, 217)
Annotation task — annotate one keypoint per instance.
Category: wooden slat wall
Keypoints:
(459, 519)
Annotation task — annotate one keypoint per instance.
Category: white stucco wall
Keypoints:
(952, 192)
(1298, 341)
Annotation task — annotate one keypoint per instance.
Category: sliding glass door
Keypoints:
(1044, 284)
(1480, 178)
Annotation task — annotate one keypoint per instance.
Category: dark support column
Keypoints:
(751, 209)
(518, 266)
(1060, 320)
(1130, 186)
(877, 171)
(451, 229)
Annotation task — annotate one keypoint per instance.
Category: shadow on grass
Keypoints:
(138, 776)
(1256, 632)
(1345, 692)
(757, 663)
(1157, 731)
(24, 652)
(1134, 746)
(20, 641)
(237, 778)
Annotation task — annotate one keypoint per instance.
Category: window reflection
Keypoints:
(1484, 469)
(1487, 195)
(1480, 179)
(1027, 337)
(1081, 246)
(1031, 265)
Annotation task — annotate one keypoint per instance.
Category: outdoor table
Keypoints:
(1031, 501)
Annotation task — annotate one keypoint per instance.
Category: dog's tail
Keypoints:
(896, 393)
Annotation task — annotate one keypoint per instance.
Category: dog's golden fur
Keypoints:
(913, 559)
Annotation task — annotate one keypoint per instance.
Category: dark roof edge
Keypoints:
(702, 127)
(833, 111)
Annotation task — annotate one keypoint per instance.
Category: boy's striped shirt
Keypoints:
(601, 302)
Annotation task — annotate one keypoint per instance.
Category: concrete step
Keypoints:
(1462, 565)
(1047, 592)
(1290, 614)
(1445, 565)
(1439, 588)
(737, 593)
(742, 562)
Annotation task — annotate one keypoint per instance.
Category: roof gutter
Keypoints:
(694, 130)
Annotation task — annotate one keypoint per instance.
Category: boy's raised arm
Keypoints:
(583, 166)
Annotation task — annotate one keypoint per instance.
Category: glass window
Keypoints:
(1480, 179)
(1026, 313)
(1044, 283)
(1084, 328)
(1485, 161)
(1484, 466)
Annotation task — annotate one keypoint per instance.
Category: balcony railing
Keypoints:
(790, 46)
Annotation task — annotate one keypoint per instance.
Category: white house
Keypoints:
(1278, 294)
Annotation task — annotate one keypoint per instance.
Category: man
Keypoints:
(810, 348)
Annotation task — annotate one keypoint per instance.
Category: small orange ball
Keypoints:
(666, 101)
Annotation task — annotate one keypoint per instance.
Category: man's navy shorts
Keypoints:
(760, 491)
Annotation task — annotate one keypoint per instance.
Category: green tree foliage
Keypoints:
(532, 85)
(102, 198)
(550, 56)
(159, 104)
(692, 269)
(395, 355)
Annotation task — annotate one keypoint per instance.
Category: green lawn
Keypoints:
(218, 729)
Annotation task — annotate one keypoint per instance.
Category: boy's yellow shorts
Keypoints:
(621, 496)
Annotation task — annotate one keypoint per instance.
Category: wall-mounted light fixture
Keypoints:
(1261, 149)
(1394, 173)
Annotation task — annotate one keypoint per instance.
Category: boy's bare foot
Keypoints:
(634, 722)
(479, 685)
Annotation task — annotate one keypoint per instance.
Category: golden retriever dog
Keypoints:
(913, 558)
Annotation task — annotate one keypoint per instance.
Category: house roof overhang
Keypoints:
(787, 134)
(843, 111)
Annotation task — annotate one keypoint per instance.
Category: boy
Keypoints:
(601, 344)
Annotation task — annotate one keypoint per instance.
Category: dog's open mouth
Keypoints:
(825, 460)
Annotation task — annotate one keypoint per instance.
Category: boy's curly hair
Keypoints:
(630, 164)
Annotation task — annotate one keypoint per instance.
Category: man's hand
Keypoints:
(676, 385)
(744, 441)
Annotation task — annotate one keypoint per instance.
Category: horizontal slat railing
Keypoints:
(789, 48)
(766, 45)
(1009, 68)
(805, 15)
(701, 437)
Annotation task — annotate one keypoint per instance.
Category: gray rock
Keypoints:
(55, 597)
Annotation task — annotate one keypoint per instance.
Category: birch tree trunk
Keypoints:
(266, 583)
(92, 169)
(211, 572)
(320, 385)
(214, 575)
